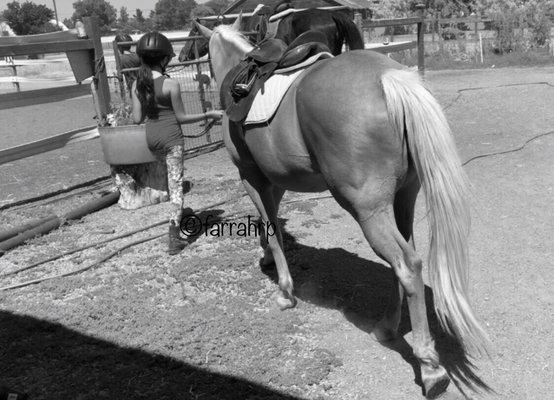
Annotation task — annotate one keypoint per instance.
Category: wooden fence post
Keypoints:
(117, 58)
(100, 76)
(358, 22)
(421, 39)
(14, 73)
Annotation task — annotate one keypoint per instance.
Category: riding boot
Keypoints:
(176, 243)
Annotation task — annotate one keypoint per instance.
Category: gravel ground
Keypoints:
(203, 325)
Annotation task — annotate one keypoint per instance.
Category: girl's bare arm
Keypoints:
(137, 107)
(179, 108)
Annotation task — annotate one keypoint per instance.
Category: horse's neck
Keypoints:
(225, 56)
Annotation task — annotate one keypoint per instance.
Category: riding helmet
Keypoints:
(154, 44)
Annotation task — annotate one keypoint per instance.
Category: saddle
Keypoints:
(243, 82)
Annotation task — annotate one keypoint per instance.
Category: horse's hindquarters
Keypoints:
(345, 125)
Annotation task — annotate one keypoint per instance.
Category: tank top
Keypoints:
(163, 132)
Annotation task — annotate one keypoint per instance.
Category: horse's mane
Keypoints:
(230, 35)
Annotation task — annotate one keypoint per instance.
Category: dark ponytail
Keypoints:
(145, 88)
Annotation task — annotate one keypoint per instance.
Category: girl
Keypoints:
(157, 97)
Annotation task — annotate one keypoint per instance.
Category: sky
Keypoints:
(65, 7)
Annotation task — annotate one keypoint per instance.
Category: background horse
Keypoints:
(366, 129)
(336, 26)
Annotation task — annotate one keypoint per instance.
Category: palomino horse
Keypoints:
(336, 27)
(365, 128)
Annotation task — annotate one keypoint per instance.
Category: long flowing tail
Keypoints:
(350, 31)
(416, 113)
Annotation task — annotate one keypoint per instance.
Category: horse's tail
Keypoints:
(416, 114)
(349, 30)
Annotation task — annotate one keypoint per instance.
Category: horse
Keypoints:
(365, 128)
(337, 28)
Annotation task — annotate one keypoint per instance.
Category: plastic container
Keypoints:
(125, 144)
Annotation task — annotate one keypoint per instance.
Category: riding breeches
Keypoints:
(175, 171)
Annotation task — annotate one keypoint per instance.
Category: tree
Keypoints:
(217, 5)
(29, 18)
(138, 17)
(201, 10)
(173, 14)
(100, 8)
(138, 22)
(69, 23)
(123, 16)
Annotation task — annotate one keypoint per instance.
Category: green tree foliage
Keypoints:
(406, 8)
(100, 8)
(172, 14)
(139, 22)
(69, 23)
(218, 6)
(201, 10)
(451, 8)
(519, 24)
(123, 16)
(29, 18)
(139, 17)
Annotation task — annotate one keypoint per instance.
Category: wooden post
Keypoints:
(101, 77)
(359, 23)
(14, 73)
(421, 39)
(201, 91)
(117, 58)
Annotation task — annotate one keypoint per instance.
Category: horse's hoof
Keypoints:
(435, 381)
(286, 302)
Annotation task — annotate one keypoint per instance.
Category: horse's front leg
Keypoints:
(266, 198)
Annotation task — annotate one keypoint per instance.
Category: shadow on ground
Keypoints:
(70, 365)
(359, 288)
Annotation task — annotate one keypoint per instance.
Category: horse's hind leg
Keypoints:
(262, 193)
(404, 204)
(386, 240)
(268, 254)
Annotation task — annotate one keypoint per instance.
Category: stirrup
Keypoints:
(242, 89)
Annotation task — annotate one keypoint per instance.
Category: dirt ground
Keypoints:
(204, 324)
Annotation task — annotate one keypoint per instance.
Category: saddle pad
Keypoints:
(267, 100)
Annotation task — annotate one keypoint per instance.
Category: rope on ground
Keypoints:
(77, 271)
(55, 193)
(496, 153)
(82, 248)
(461, 91)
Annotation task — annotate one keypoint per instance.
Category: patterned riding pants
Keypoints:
(175, 170)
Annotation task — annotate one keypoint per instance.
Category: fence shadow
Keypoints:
(359, 288)
(49, 361)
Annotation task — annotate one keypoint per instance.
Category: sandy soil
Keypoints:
(204, 325)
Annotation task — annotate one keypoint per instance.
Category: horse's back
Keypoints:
(335, 113)
(351, 69)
